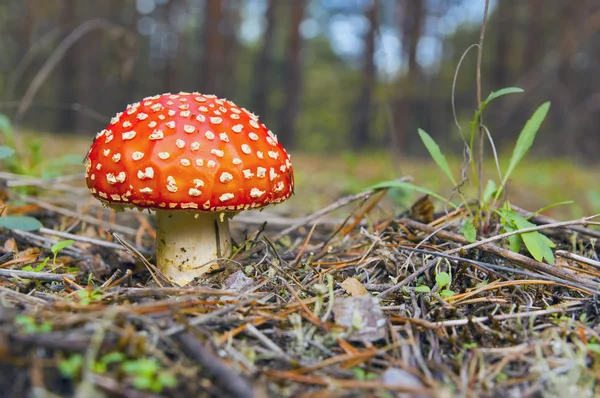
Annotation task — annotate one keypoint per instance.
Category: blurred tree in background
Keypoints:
(323, 74)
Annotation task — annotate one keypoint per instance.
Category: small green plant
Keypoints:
(31, 326)
(145, 373)
(537, 244)
(443, 280)
(55, 249)
(32, 162)
(148, 375)
(58, 246)
(38, 268)
(70, 367)
(363, 375)
(88, 296)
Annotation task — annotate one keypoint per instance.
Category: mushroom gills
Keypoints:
(189, 242)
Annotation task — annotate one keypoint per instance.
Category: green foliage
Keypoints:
(443, 279)
(363, 375)
(30, 325)
(22, 223)
(148, 375)
(525, 139)
(88, 296)
(436, 154)
(422, 289)
(468, 231)
(593, 347)
(58, 246)
(69, 368)
(538, 245)
(33, 161)
(40, 267)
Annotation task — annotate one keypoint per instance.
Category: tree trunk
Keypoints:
(228, 73)
(89, 64)
(292, 76)
(262, 71)
(504, 36)
(212, 60)
(69, 73)
(170, 70)
(413, 12)
(364, 103)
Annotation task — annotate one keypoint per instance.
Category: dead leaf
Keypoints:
(353, 287)
(362, 316)
(11, 245)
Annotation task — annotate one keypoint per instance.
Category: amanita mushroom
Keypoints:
(196, 160)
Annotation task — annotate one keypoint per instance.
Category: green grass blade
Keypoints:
(508, 90)
(526, 138)
(436, 154)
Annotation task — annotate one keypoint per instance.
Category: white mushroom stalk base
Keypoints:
(188, 242)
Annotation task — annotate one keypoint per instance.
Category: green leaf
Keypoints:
(22, 223)
(6, 152)
(436, 154)
(70, 367)
(538, 245)
(168, 380)
(410, 187)
(515, 242)
(468, 231)
(40, 267)
(442, 279)
(594, 347)
(526, 138)
(57, 247)
(112, 357)
(422, 289)
(446, 293)
(489, 191)
(508, 90)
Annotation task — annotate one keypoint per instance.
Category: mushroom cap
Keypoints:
(188, 151)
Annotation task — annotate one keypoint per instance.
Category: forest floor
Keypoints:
(344, 292)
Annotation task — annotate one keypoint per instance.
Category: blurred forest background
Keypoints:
(324, 75)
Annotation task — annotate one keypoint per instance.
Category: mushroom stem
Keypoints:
(187, 242)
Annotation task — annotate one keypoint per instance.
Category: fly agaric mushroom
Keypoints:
(196, 160)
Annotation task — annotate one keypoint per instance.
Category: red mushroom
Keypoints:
(196, 160)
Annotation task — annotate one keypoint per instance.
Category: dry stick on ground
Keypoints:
(524, 261)
(493, 267)
(225, 378)
(36, 276)
(310, 219)
(461, 322)
(84, 239)
(576, 257)
(76, 215)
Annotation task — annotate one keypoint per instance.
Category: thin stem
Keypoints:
(479, 102)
